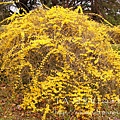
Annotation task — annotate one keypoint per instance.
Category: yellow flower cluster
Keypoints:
(60, 60)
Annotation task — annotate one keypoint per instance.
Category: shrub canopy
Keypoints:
(61, 61)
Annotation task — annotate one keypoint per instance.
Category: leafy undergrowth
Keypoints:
(58, 64)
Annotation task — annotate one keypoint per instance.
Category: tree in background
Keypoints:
(111, 11)
(26, 5)
(23, 6)
(4, 10)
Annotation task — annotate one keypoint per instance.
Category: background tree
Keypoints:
(111, 10)
(4, 10)
(22, 5)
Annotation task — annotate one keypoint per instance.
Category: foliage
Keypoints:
(61, 61)
(108, 9)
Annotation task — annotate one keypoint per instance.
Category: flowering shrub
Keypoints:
(61, 61)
